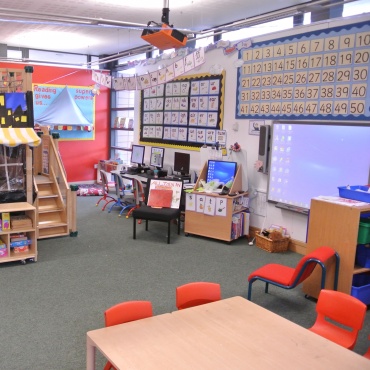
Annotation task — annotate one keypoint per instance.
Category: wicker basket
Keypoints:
(272, 245)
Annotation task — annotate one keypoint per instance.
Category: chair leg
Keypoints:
(134, 230)
(146, 225)
(250, 290)
(168, 232)
(337, 263)
(267, 288)
(178, 225)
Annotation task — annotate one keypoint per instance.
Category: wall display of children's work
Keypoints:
(323, 74)
(13, 110)
(185, 112)
(68, 110)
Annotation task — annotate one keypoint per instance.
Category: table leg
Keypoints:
(90, 355)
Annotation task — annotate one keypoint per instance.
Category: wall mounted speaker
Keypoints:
(264, 148)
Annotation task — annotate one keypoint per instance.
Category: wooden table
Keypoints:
(232, 333)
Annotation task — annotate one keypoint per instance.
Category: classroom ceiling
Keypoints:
(99, 27)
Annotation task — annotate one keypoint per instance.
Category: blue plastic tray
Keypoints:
(353, 193)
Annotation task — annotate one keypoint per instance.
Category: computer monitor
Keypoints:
(137, 154)
(182, 163)
(223, 171)
(156, 157)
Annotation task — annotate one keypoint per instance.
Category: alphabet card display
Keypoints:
(189, 110)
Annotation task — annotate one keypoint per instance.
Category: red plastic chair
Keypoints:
(106, 198)
(339, 317)
(126, 312)
(197, 293)
(139, 195)
(289, 277)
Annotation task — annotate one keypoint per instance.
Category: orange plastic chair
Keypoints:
(126, 312)
(197, 293)
(339, 317)
(106, 198)
(288, 277)
(139, 195)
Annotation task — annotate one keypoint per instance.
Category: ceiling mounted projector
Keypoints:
(163, 36)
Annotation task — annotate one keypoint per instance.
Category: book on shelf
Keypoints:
(20, 243)
(5, 217)
(18, 239)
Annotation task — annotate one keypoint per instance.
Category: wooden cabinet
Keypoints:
(225, 227)
(335, 225)
(21, 208)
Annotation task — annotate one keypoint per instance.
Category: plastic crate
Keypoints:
(364, 231)
(361, 287)
(353, 193)
(363, 256)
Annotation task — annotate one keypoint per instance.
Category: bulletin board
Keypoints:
(68, 110)
(321, 75)
(186, 112)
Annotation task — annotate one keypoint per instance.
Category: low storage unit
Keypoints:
(18, 236)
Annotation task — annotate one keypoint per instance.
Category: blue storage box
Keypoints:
(363, 256)
(361, 287)
(353, 192)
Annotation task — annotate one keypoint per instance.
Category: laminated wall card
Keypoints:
(200, 203)
(221, 207)
(190, 202)
(210, 206)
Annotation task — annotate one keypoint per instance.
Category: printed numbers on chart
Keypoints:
(357, 107)
(311, 108)
(323, 76)
(341, 107)
(358, 91)
(342, 91)
(362, 39)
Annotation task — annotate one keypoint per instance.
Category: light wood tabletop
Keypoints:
(233, 333)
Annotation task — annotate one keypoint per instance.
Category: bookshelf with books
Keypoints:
(223, 217)
(18, 232)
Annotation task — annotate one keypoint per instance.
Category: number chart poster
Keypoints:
(322, 74)
(68, 110)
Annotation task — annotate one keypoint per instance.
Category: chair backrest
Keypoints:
(104, 180)
(118, 184)
(307, 264)
(128, 311)
(139, 193)
(341, 308)
(197, 293)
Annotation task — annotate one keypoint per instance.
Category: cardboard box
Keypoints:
(3, 252)
(22, 249)
(5, 216)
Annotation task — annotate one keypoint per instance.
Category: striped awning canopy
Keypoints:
(16, 136)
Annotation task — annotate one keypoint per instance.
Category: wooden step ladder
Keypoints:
(52, 214)
(55, 200)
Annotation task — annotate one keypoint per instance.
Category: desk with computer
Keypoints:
(181, 165)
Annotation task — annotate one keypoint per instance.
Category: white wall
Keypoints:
(295, 223)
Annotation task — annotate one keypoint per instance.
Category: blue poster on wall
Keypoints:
(68, 110)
